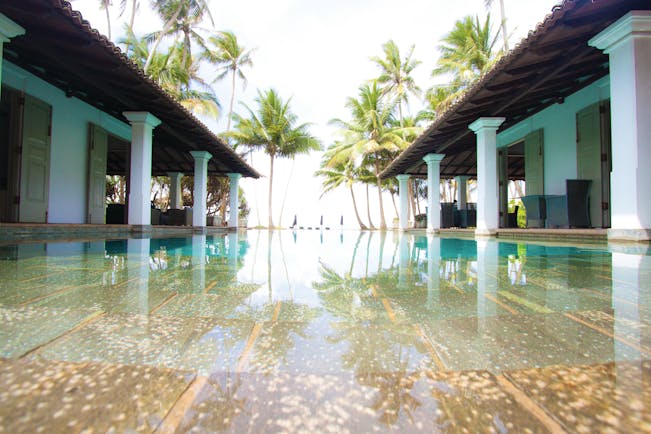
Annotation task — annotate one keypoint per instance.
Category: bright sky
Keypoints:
(317, 52)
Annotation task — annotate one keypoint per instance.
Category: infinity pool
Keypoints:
(328, 331)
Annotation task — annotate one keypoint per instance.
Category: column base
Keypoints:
(629, 235)
(432, 231)
(485, 232)
(140, 229)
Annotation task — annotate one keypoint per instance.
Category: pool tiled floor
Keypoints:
(174, 341)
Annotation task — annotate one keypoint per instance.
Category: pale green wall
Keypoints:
(559, 124)
(69, 149)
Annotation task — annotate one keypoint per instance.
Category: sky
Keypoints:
(317, 52)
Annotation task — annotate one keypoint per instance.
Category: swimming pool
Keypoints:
(324, 331)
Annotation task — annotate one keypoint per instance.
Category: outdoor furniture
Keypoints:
(178, 217)
(447, 214)
(115, 213)
(556, 211)
(536, 212)
(512, 218)
(578, 202)
(155, 216)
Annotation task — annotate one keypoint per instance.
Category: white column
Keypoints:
(487, 192)
(200, 187)
(234, 200)
(403, 196)
(176, 196)
(433, 191)
(462, 192)
(8, 30)
(142, 124)
(628, 45)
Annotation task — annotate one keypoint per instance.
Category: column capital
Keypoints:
(462, 177)
(433, 158)
(234, 176)
(142, 118)
(174, 174)
(403, 177)
(201, 155)
(9, 29)
(486, 123)
(633, 24)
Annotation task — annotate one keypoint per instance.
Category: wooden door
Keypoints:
(35, 161)
(534, 163)
(593, 159)
(97, 143)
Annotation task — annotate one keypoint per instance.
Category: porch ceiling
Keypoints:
(553, 62)
(65, 51)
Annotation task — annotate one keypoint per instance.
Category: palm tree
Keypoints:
(467, 53)
(395, 73)
(505, 35)
(180, 79)
(132, 16)
(374, 137)
(105, 4)
(230, 57)
(341, 173)
(273, 129)
(179, 16)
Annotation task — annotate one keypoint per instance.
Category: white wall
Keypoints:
(559, 124)
(69, 148)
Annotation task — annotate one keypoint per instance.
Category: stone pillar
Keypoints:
(142, 124)
(628, 45)
(234, 200)
(487, 191)
(8, 30)
(200, 187)
(462, 192)
(403, 196)
(433, 191)
(176, 195)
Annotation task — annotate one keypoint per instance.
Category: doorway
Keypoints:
(25, 138)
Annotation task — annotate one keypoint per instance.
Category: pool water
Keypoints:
(316, 331)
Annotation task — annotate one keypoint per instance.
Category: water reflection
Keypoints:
(413, 324)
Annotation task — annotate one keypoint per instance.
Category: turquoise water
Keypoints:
(367, 310)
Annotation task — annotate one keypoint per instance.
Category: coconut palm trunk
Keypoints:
(271, 181)
(368, 209)
(383, 222)
(165, 31)
(230, 106)
(362, 226)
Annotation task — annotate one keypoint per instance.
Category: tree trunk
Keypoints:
(393, 201)
(230, 107)
(368, 210)
(383, 222)
(271, 181)
(134, 7)
(359, 220)
(505, 36)
(108, 19)
(289, 180)
(166, 28)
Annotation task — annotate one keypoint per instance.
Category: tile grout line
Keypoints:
(92, 318)
(51, 294)
(430, 347)
(255, 332)
(529, 404)
(177, 411)
(167, 300)
(502, 305)
(607, 333)
(276, 313)
(210, 286)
